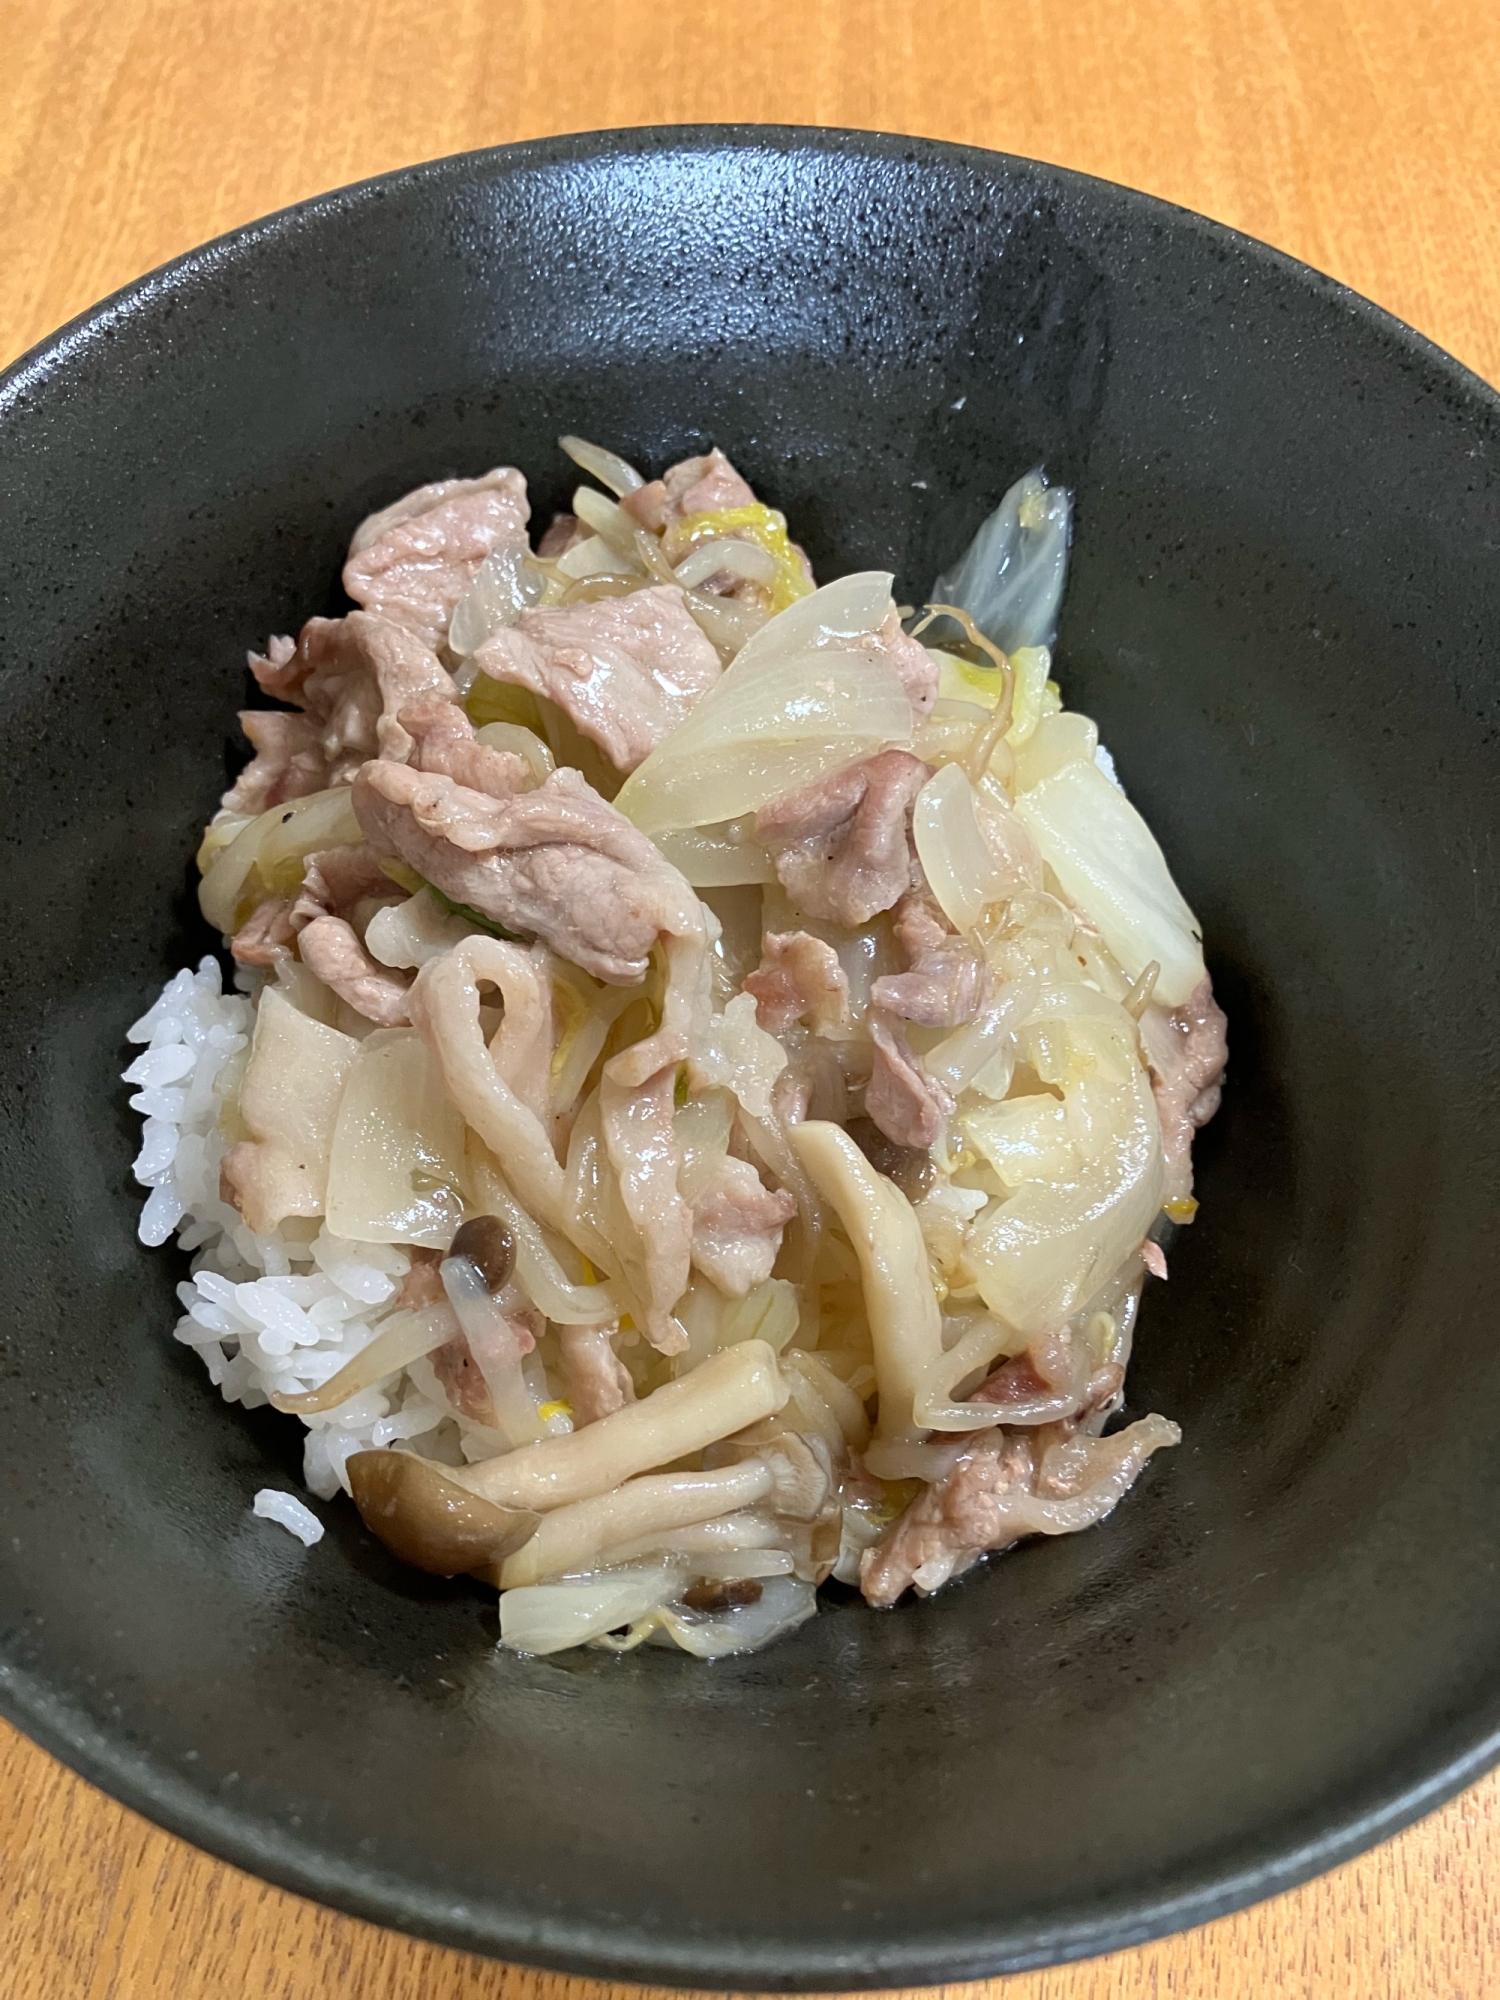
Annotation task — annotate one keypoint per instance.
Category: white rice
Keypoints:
(297, 1519)
(267, 1314)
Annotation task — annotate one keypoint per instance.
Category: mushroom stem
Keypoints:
(496, 1347)
(725, 1534)
(584, 1536)
(740, 1385)
(906, 1329)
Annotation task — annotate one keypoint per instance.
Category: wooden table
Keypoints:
(1361, 135)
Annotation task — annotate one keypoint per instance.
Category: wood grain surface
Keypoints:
(1361, 135)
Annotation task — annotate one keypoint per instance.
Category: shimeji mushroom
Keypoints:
(787, 1476)
(426, 1519)
(475, 1275)
(737, 1387)
(905, 1326)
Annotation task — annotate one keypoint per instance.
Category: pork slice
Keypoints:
(919, 925)
(276, 670)
(625, 670)
(799, 980)
(266, 935)
(443, 741)
(282, 669)
(288, 762)
(414, 560)
(842, 844)
(706, 485)
(1008, 1485)
(334, 952)
(597, 1380)
(1052, 1379)
(328, 676)
(915, 667)
(337, 880)
(352, 677)
(462, 1381)
(557, 863)
(946, 982)
(406, 671)
(423, 1283)
(900, 1098)
(1187, 1049)
(737, 1227)
(341, 886)
(562, 532)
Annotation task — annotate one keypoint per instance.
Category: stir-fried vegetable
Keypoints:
(268, 855)
(799, 701)
(395, 1171)
(1107, 860)
(654, 1204)
(1012, 575)
(765, 529)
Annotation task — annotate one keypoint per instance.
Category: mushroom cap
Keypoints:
(426, 1519)
(489, 1246)
(801, 1473)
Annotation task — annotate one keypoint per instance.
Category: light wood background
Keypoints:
(1361, 135)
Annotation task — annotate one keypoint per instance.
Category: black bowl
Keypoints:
(1286, 582)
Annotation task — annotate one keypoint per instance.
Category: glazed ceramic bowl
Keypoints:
(1283, 612)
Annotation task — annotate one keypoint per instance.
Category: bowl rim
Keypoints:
(614, 1950)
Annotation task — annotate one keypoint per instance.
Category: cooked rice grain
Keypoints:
(274, 1314)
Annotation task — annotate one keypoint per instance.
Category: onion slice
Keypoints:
(960, 865)
(617, 473)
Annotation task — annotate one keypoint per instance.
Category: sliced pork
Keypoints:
(1055, 1377)
(266, 935)
(1010, 1484)
(1188, 1051)
(706, 485)
(625, 670)
(462, 1381)
(737, 1227)
(288, 763)
(443, 742)
(598, 1382)
(562, 532)
(557, 863)
(906, 1104)
(414, 560)
(685, 493)
(423, 1283)
(841, 845)
(334, 952)
(799, 982)
(343, 882)
(946, 982)
(915, 667)
(351, 677)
